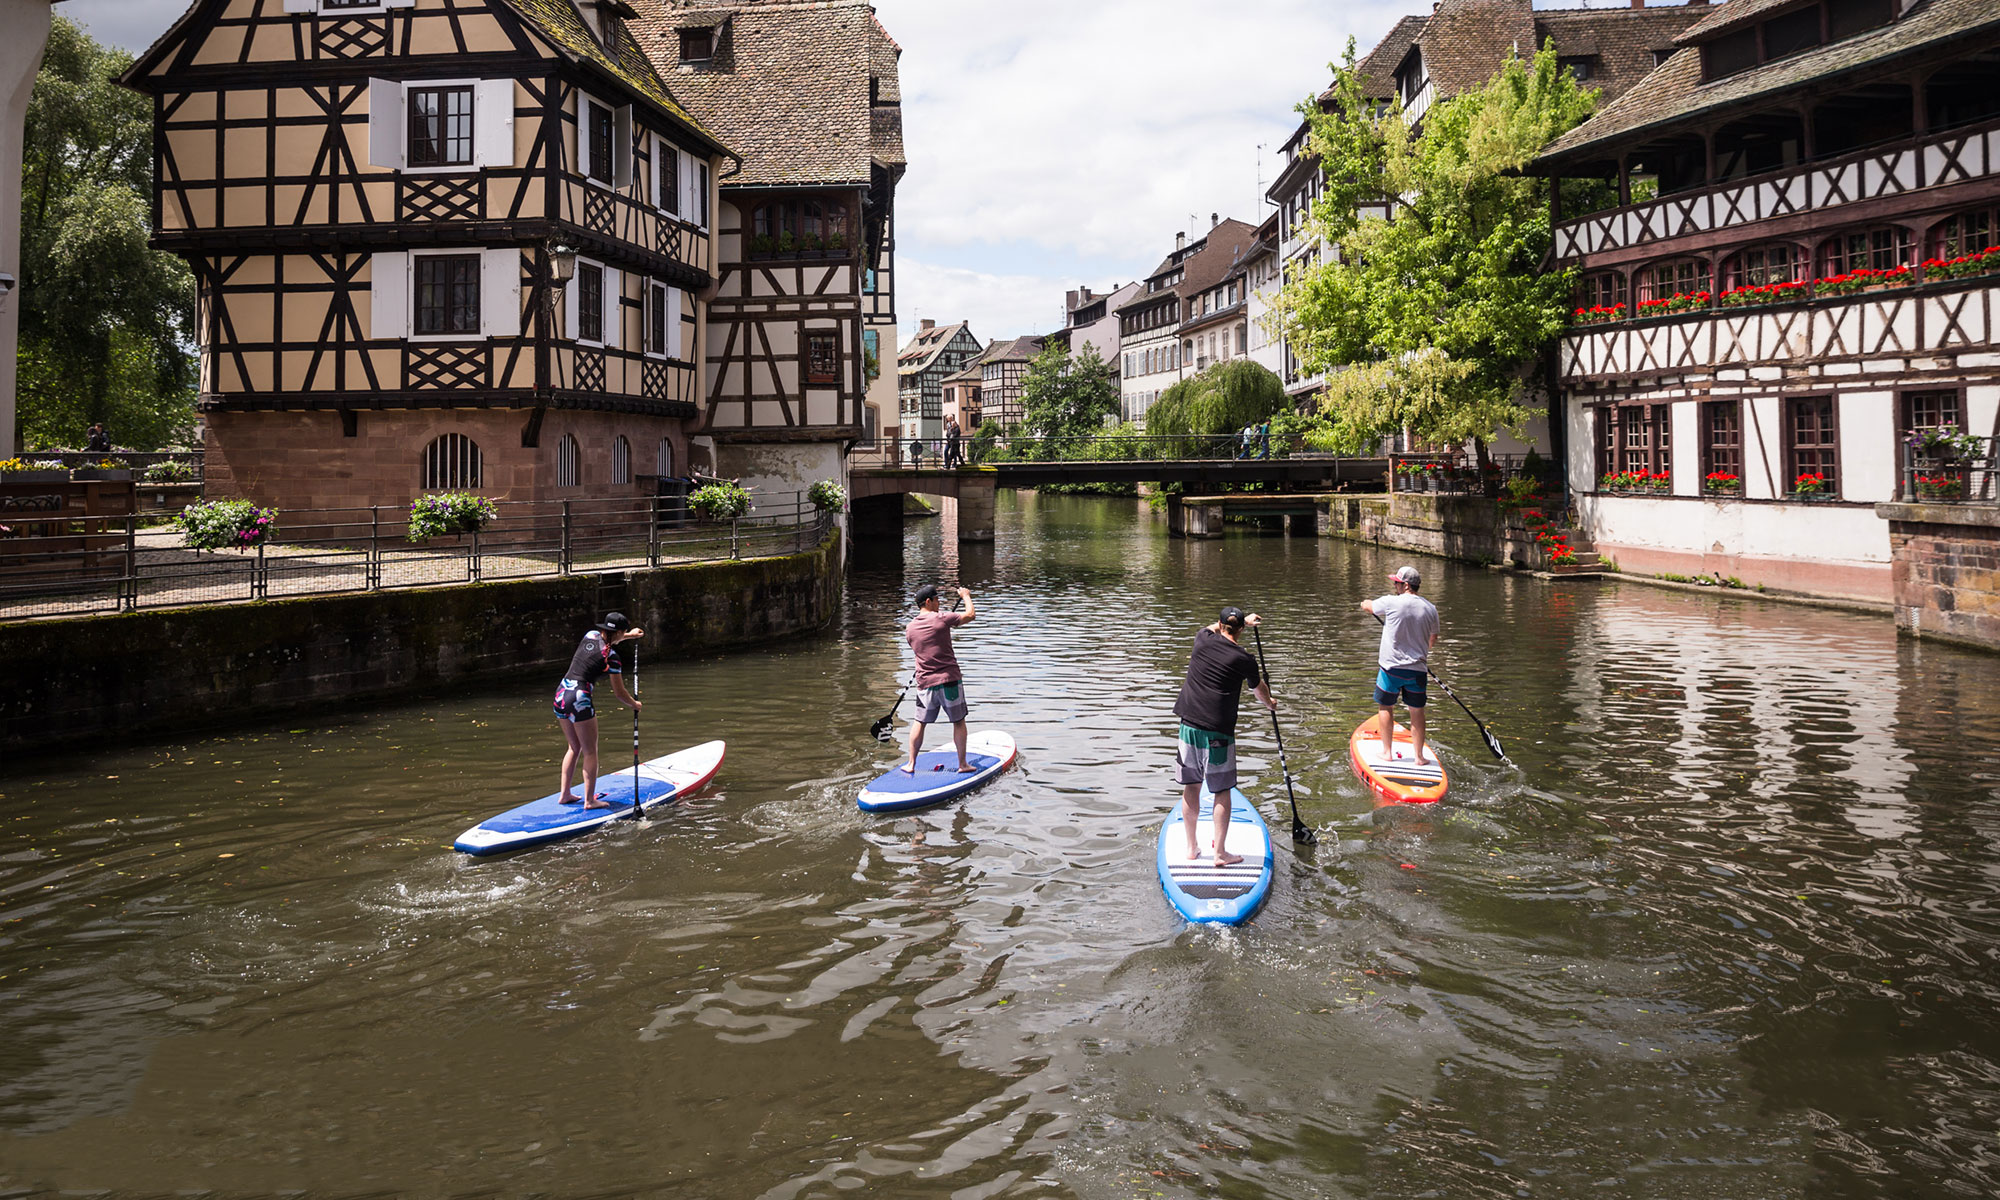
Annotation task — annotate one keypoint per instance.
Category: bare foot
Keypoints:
(1194, 852)
(1224, 858)
(598, 804)
(568, 799)
(908, 768)
(966, 768)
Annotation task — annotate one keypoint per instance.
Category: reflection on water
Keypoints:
(1729, 930)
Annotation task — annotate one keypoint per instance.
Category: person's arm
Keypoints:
(1368, 606)
(618, 685)
(965, 617)
(1263, 693)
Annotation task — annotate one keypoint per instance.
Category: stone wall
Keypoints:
(1470, 528)
(197, 668)
(1946, 570)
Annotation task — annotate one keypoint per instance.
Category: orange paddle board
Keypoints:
(1400, 779)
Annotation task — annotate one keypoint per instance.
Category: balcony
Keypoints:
(1895, 169)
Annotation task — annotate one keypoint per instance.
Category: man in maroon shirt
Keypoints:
(940, 689)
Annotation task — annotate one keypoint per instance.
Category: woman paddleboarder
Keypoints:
(596, 656)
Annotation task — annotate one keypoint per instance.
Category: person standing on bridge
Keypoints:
(1409, 630)
(1216, 673)
(941, 689)
(954, 454)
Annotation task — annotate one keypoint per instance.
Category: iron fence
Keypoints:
(1454, 474)
(930, 453)
(1943, 466)
(78, 566)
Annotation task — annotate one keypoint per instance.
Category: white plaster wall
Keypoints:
(26, 23)
(1868, 449)
(1685, 424)
(1820, 533)
(1982, 410)
(788, 467)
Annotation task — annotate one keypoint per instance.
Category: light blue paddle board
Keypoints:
(540, 822)
(1203, 891)
(937, 779)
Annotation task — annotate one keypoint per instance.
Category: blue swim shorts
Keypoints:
(1402, 683)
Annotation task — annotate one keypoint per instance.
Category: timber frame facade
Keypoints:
(1782, 282)
(369, 196)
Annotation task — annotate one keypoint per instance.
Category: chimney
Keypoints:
(1180, 242)
(1638, 3)
(1215, 219)
(1069, 301)
(925, 325)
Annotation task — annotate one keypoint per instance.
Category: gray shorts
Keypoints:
(1206, 757)
(946, 699)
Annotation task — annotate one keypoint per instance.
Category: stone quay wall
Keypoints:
(1471, 528)
(104, 678)
(1946, 571)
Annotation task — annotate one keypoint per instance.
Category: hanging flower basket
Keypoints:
(226, 525)
(827, 495)
(723, 501)
(444, 514)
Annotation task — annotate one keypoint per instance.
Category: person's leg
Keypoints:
(1191, 817)
(916, 746)
(1385, 729)
(587, 730)
(1221, 784)
(571, 745)
(1417, 730)
(1223, 858)
(958, 739)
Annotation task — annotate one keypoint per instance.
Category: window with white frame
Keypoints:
(447, 294)
(662, 320)
(344, 7)
(440, 125)
(605, 150)
(621, 460)
(569, 462)
(593, 306)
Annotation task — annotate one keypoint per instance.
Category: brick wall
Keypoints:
(304, 460)
(1946, 569)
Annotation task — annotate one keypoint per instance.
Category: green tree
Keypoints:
(1443, 307)
(1065, 395)
(1222, 399)
(107, 322)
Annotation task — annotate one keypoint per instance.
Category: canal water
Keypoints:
(1728, 928)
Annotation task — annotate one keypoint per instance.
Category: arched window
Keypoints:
(452, 461)
(664, 463)
(1773, 262)
(569, 462)
(621, 460)
(1678, 277)
(1882, 248)
(1962, 234)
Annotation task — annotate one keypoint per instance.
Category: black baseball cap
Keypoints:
(927, 592)
(1232, 617)
(615, 622)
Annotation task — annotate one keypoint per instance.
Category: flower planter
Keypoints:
(34, 477)
(1811, 497)
(101, 474)
(1723, 493)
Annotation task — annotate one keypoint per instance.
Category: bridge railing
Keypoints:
(1457, 474)
(929, 453)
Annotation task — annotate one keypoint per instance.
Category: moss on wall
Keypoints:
(103, 677)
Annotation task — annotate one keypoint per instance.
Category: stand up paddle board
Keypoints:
(937, 779)
(1398, 780)
(1203, 891)
(539, 822)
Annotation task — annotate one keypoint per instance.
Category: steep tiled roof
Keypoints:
(1728, 16)
(1675, 93)
(1623, 41)
(922, 350)
(1019, 349)
(1377, 68)
(1227, 245)
(787, 88)
(1465, 41)
(886, 115)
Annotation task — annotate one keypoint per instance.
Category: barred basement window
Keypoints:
(621, 460)
(569, 462)
(452, 461)
(663, 461)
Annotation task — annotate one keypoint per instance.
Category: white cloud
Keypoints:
(998, 306)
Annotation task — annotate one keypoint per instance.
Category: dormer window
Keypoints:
(1410, 77)
(698, 44)
(1580, 69)
(1794, 31)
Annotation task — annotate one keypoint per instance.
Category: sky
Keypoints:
(1057, 143)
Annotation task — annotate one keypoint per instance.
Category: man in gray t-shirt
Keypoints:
(1409, 629)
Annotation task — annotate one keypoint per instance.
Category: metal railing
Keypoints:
(81, 565)
(1941, 473)
(136, 460)
(929, 453)
(1457, 474)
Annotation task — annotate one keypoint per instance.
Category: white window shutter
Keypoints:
(493, 123)
(389, 294)
(500, 292)
(582, 164)
(614, 309)
(570, 290)
(673, 322)
(301, 6)
(385, 123)
(685, 170)
(621, 147)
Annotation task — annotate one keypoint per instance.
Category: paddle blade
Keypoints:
(1493, 744)
(1303, 834)
(880, 730)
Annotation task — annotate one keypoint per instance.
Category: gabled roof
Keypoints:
(917, 354)
(556, 22)
(1674, 93)
(787, 86)
(1019, 349)
(1377, 68)
(1465, 41)
(1729, 16)
(1222, 252)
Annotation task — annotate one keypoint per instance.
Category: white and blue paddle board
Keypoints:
(1203, 891)
(937, 778)
(538, 822)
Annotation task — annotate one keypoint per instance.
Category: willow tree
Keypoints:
(1222, 399)
(1442, 307)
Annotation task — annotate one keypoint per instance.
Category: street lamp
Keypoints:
(562, 264)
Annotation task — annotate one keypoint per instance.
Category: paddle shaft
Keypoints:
(635, 733)
(889, 719)
(1301, 832)
(1492, 743)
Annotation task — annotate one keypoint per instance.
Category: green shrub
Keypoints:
(172, 470)
(724, 501)
(442, 514)
(226, 525)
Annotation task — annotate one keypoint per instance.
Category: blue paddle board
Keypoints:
(937, 779)
(540, 822)
(1203, 891)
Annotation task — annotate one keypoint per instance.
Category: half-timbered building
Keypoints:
(440, 244)
(935, 354)
(1786, 276)
(807, 93)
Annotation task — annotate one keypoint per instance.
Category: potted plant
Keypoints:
(19, 470)
(1659, 483)
(106, 470)
(1941, 487)
(724, 500)
(1944, 445)
(827, 496)
(1721, 483)
(1810, 486)
(444, 514)
(226, 525)
(172, 470)
(1599, 314)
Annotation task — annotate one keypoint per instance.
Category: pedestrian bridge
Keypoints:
(1202, 465)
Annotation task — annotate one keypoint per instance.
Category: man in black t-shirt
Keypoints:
(1216, 673)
